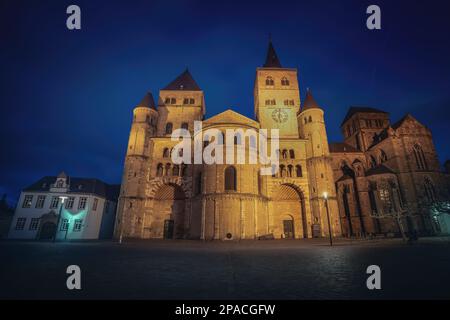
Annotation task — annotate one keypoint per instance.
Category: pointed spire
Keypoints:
(309, 102)
(147, 101)
(184, 81)
(272, 60)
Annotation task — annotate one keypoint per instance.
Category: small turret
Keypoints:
(321, 181)
(145, 119)
(312, 126)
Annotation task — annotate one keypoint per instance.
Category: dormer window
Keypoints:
(59, 183)
(181, 87)
(284, 81)
(80, 187)
(169, 128)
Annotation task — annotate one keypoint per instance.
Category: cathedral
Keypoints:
(367, 185)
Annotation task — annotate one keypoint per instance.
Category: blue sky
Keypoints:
(67, 96)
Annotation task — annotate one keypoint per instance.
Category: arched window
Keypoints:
(298, 170)
(237, 138)
(159, 170)
(420, 157)
(310, 119)
(284, 81)
(269, 81)
(166, 153)
(59, 184)
(284, 154)
(306, 120)
(185, 126)
(430, 192)
(282, 171)
(176, 170)
(289, 172)
(383, 156)
(167, 169)
(385, 197)
(173, 101)
(230, 178)
(292, 154)
(169, 128)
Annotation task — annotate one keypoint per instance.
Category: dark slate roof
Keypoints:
(147, 101)
(354, 110)
(88, 185)
(342, 147)
(184, 81)
(272, 60)
(381, 169)
(309, 102)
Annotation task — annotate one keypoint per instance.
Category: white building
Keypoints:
(87, 208)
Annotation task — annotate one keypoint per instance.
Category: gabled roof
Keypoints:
(341, 147)
(185, 82)
(230, 117)
(88, 185)
(147, 101)
(381, 169)
(400, 122)
(272, 60)
(354, 110)
(309, 102)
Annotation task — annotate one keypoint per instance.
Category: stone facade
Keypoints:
(217, 201)
(159, 199)
(387, 175)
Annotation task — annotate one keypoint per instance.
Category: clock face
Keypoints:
(280, 116)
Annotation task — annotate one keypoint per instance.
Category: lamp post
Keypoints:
(59, 216)
(325, 196)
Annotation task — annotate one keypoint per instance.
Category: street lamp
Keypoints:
(325, 196)
(59, 216)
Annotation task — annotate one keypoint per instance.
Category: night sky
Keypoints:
(67, 96)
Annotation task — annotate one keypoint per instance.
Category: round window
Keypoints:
(229, 235)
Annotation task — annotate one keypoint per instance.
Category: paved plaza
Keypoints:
(304, 269)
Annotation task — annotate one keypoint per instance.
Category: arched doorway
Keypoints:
(168, 212)
(48, 230)
(289, 213)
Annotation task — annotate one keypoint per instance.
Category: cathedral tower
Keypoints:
(180, 103)
(276, 96)
(312, 128)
